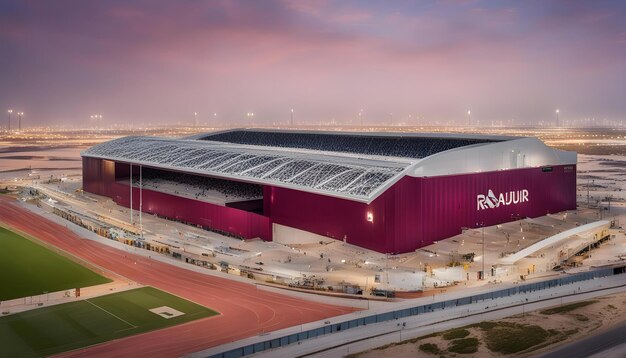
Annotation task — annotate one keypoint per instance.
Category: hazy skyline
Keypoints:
(159, 62)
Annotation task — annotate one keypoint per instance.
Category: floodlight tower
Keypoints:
(19, 122)
(10, 111)
(469, 117)
(291, 118)
(195, 119)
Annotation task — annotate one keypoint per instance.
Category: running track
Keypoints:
(245, 311)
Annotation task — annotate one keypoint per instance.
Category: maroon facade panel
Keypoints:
(412, 213)
(98, 174)
(417, 211)
(100, 178)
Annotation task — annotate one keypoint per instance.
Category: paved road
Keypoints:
(591, 345)
(244, 310)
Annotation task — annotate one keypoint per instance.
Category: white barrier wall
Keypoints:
(290, 236)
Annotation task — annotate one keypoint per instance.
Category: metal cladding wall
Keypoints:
(417, 211)
(98, 175)
(99, 178)
(234, 221)
(333, 217)
(412, 213)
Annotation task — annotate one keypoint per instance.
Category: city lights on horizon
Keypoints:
(376, 120)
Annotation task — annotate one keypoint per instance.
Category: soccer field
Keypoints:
(60, 328)
(28, 269)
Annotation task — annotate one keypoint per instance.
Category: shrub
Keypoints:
(464, 345)
(431, 348)
(455, 334)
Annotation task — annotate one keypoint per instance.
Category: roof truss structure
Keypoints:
(349, 177)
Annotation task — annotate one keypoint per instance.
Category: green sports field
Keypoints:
(28, 269)
(60, 328)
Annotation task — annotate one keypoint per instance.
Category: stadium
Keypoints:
(387, 192)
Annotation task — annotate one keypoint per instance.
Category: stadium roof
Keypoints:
(336, 175)
(354, 166)
(386, 144)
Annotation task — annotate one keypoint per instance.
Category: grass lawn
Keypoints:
(509, 338)
(28, 269)
(60, 328)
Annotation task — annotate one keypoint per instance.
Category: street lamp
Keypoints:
(195, 119)
(10, 111)
(557, 117)
(291, 118)
(19, 116)
(469, 117)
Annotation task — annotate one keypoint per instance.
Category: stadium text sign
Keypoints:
(492, 200)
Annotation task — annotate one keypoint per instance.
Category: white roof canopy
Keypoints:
(348, 177)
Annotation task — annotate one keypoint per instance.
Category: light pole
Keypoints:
(469, 117)
(587, 192)
(250, 116)
(291, 118)
(557, 117)
(141, 199)
(195, 119)
(19, 116)
(482, 226)
(361, 117)
(387, 276)
(10, 111)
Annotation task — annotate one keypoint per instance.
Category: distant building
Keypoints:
(388, 192)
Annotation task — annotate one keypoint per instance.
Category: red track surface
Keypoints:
(245, 311)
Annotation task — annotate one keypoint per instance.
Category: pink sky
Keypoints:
(158, 62)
